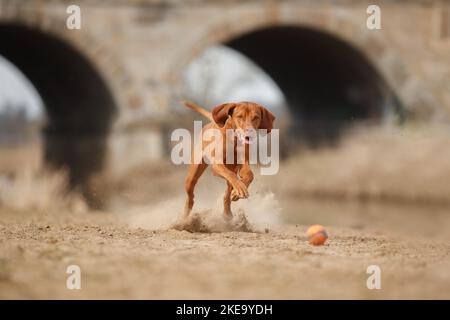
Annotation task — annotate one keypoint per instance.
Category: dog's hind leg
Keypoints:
(195, 171)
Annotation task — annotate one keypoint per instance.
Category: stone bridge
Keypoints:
(111, 87)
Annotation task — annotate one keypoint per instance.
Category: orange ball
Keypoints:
(317, 235)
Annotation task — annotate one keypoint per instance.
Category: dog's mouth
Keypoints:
(245, 138)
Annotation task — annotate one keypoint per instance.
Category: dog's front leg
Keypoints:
(227, 202)
(246, 175)
(238, 186)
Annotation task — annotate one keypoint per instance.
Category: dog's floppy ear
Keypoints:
(267, 119)
(220, 113)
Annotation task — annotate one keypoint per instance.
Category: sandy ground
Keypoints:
(119, 261)
(387, 208)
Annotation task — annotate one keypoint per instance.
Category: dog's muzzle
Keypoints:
(247, 136)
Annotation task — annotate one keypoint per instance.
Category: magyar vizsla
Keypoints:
(244, 118)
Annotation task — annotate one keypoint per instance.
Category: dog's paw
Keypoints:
(241, 189)
(235, 196)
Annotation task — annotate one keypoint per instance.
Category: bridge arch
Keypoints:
(80, 97)
(344, 64)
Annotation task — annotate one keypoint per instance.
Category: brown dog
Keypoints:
(244, 118)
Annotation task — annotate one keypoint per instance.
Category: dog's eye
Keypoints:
(255, 118)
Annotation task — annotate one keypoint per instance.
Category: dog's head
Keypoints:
(245, 118)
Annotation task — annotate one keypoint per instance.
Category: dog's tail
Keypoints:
(199, 109)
